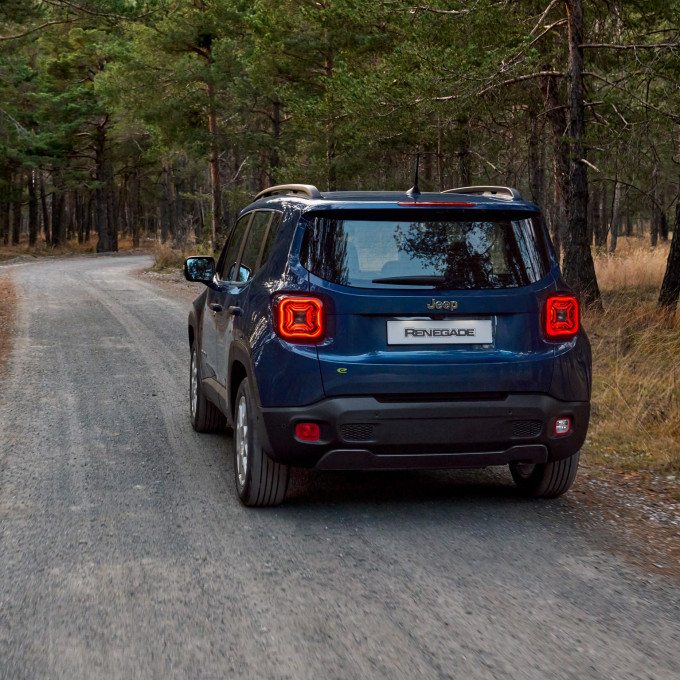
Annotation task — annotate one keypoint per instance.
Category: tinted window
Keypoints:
(484, 250)
(256, 235)
(271, 237)
(233, 247)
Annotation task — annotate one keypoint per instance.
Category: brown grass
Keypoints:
(634, 265)
(72, 247)
(636, 364)
(168, 259)
(7, 310)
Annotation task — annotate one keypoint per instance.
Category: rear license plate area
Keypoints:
(448, 332)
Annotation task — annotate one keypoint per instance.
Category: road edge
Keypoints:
(8, 295)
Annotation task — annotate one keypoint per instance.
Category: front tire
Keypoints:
(545, 480)
(260, 481)
(205, 416)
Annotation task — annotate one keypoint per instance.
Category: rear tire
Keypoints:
(205, 416)
(260, 481)
(545, 480)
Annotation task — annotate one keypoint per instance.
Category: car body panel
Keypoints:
(456, 401)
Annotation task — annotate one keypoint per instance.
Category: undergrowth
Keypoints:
(635, 422)
(71, 247)
(168, 259)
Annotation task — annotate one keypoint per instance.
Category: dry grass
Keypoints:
(72, 247)
(634, 265)
(636, 364)
(7, 308)
(168, 259)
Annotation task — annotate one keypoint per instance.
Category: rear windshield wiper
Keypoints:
(413, 280)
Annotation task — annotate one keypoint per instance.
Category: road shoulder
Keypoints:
(7, 317)
(636, 515)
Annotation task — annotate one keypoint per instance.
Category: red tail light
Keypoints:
(437, 204)
(299, 319)
(561, 317)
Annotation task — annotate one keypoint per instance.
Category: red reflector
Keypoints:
(299, 319)
(561, 317)
(436, 204)
(308, 432)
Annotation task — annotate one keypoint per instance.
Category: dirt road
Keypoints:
(124, 552)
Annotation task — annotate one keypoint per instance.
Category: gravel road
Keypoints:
(124, 552)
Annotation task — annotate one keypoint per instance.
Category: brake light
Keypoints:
(436, 204)
(299, 319)
(561, 317)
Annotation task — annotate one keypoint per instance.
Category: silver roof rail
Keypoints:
(497, 192)
(307, 189)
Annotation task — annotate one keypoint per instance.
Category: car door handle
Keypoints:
(236, 311)
(215, 307)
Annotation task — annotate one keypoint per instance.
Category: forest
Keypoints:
(161, 119)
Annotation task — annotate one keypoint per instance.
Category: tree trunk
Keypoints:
(594, 214)
(47, 230)
(215, 181)
(276, 138)
(33, 220)
(615, 217)
(166, 206)
(670, 287)
(17, 195)
(558, 124)
(70, 215)
(105, 222)
(663, 225)
(58, 226)
(655, 222)
(135, 209)
(112, 211)
(579, 269)
(536, 160)
(602, 225)
(464, 165)
(4, 206)
(88, 217)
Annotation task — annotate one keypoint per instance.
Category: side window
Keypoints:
(256, 235)
(228, 263)
(269, 239)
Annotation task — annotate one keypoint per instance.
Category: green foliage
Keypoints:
(336, 92)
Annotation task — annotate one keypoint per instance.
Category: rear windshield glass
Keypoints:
(490, 250)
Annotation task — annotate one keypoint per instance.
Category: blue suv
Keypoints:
(389, 330)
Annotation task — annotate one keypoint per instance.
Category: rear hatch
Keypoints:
(431, 303)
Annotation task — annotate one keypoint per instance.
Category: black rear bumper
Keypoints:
(365, 433)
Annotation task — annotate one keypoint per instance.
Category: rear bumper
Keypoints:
(365, 433)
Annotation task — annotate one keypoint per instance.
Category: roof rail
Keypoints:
(306, 189)
(498, 192)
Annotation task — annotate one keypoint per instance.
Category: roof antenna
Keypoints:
(415, 189)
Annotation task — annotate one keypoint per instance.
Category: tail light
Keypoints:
(300, 319)
(561, 317)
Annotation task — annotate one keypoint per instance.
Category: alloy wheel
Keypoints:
(241, 442)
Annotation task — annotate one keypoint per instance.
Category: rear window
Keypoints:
(475, 250)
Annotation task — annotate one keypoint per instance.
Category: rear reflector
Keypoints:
(308, 432)
(562, 426)
(299, 319)
(561, 317)
(436, 204)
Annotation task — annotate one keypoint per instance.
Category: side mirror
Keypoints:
(199, 270)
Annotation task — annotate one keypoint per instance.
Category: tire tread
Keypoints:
(268, 480)
(549, 480)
